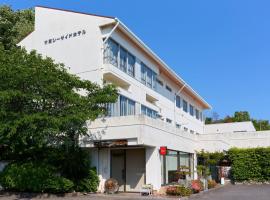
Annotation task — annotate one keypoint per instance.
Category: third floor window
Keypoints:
(178, 101)
(118, 56)
(185, 106)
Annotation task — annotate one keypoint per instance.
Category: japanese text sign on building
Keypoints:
(65, 37)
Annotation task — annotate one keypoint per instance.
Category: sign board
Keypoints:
(111, 143)
(163, 151)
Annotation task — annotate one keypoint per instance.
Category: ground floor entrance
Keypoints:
(128, 168)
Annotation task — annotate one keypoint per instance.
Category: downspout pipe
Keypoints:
(179, 92)
(111, 32)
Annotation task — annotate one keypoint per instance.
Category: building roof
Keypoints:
(229, 127)
(165, 68)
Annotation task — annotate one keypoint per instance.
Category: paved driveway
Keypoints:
(236, 192)
(229, 192)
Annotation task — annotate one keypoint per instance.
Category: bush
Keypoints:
(33, 177)
(250, 164)
(58, 185)
(211, 184)
(89, 184)
(178, 191)
(197, 186)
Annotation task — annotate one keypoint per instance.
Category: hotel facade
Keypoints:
(157, 124)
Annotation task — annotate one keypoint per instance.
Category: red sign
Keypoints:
(163, 151)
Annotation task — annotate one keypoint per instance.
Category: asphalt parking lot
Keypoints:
(229, 192)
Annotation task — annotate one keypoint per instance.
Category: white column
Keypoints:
(153, 167)
(103, 157)
(195, 166)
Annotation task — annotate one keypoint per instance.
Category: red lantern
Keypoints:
(163, 151)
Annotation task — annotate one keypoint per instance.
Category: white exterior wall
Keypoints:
(229, 127)
(225, 141)
(83, 54)
(153, 169)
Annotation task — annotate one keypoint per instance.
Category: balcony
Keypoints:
(140, 130)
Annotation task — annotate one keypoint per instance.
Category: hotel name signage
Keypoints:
(111, 143)
(66, 36)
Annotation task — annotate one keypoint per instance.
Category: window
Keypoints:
(131, 65)
(185, 106)
(168, 88)
(127, 106)
(201, 116)
(123, 59)
(125, 62)
(178, 101)
(177, 125)
(173, 163)
(123, 107)
(168, 120)
(159, 82)
(186, 129)
(191, 110)
(111, 53)
(197, 114)
(191, 131)
(148, 76)
(148, 112)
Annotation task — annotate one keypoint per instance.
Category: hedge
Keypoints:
(250, 164)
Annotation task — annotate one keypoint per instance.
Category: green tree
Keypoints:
(241, 116)
(261, 125)
(42, 105)
(15, 25)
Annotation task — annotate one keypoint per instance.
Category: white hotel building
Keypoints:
(155, 108)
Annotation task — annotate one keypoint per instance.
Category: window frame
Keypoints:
(185, 106)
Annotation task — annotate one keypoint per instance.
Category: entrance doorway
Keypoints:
(128, 168)
(118, 170)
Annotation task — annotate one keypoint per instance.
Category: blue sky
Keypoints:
(221, 48)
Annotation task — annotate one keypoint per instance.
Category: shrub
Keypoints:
(90, 183)
(33, 177)
(250, 164)
(178, 190)
(211, 184)
(197, 186)
(72, 163)
(58, 185)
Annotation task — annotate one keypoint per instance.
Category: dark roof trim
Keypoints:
(75, 12)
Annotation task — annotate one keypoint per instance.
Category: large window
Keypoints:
(148, 76)
(118, 56)
(149, 112)
(123, 59)
(123, 107)
(176, 165)
(127, 106)
(131, 65)
(111, 52)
